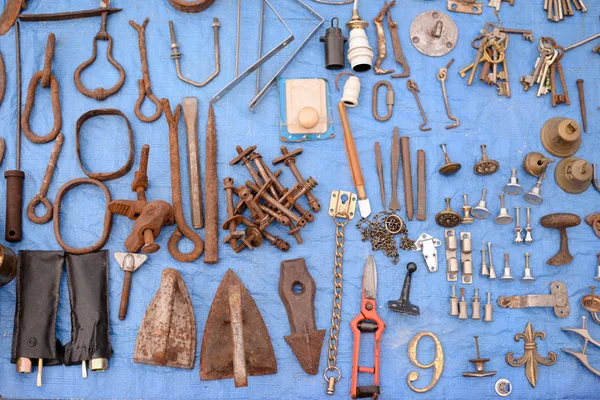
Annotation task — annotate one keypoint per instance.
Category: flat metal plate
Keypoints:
(422, 32)
(465, 6)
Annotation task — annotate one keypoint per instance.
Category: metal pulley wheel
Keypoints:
(433, 33)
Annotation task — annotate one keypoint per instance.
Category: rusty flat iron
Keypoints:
(236, 342)
(167, 335)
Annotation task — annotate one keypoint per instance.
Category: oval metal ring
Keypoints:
(107, 216)
(34, 138)
(389, 100)
(193, 6)
(104, 176)
(100, 93)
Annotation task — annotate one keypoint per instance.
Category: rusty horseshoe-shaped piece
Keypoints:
(182, 227)
(191, 6)
(48, 80)
(145, 89)
(100, 93)
(10, 14)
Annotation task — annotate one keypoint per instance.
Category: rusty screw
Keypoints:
(582, 103)
(289, 159)
(255, 211)
(243, 158)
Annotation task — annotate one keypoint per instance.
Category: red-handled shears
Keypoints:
(367, 321)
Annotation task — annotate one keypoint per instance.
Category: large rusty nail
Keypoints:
(211, 192)
(289, 159)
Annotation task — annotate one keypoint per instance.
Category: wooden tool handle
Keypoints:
(351, 148)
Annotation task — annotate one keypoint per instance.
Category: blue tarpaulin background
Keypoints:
(510, 128)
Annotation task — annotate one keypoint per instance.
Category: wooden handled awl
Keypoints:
(363, 203)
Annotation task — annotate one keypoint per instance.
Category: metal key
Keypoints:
(525, 33)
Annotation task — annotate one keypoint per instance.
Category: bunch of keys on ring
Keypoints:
(546, 67)
(491, 48)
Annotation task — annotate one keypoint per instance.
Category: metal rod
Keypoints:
(237, 39)
(260, 42)
(18, 58)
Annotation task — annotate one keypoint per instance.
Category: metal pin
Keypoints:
(491, 266)
(518, 229)
(506, 276)
(582, 104)
(453, 302)
(462, 306)
(528, 228)
(476, 306)
(489, 307)
(527, 277)
(484, 268)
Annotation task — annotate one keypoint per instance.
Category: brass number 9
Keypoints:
(437, 364)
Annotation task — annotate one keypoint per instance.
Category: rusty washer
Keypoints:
(104, 176)
(48, 80)
(107, 216)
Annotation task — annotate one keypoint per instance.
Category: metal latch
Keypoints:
(427, 245)
(465, 6)
(558, 298)
(342, 204)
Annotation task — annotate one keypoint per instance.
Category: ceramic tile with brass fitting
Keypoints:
(479, 364)
(534, 196)
(448, 218)
(512, 187)
(480, 211)
(485, 166)
(449, 168)
(451, 259)
(527, 276)
(466, 250)
(492, 270)
(503, 217)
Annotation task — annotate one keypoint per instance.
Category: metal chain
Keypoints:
(336, 311)
(378, 233)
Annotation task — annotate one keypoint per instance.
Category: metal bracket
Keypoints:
(465, 6)
(466, 248)
(342, 204)
(559, 299)
(451, 260)
(427, 245)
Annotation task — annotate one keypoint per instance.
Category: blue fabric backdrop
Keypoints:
(510, 128)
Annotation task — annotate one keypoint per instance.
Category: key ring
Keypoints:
(107, 216)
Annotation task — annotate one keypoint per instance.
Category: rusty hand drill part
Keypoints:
(212, 191)
(236, 342)
(145, 89)
(104, 176)
(40, 197)
(176, 55)
(407, 175)
(414, 88)
(190, 116)
(182, 227)
(289, 160)
(581, 103)
(48, 80)
(421, 186)
(167, 335)
(149, 216)
(381, 50)
(100, 93)
(107, 216)
(2, 79)
(305, 339)
(191, 6)
(12, 8)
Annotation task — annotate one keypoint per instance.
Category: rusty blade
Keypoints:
(297, 291)
(167, 335)
(9, 15)
(232, 346)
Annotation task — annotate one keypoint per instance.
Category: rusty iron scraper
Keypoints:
(167, 335)
(297, 291)
(236, 342)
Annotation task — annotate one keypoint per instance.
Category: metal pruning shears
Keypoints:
(367, 321)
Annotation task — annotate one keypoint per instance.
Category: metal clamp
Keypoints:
(559, 299)
(427, 245)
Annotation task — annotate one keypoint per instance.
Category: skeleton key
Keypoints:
(569, 7)
(529, 80)
(543, 89)
(504, 87)
(482, 45)
(525, 33)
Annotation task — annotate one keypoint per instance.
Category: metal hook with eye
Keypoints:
(414, 88)
(100, 93)
(442, 75)
(40, 197)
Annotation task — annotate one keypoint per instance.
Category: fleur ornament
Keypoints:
(530, 358)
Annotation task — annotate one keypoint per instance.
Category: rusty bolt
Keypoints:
(289, 160)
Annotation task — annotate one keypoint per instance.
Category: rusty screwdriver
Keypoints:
(14, 178)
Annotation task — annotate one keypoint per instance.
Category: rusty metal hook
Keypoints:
(389, 100)
(40, 197)
(175, 55)
(145, 88)
(100, 93)
(48, 80)
(182, 227)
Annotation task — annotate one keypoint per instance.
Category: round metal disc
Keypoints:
(423, 33)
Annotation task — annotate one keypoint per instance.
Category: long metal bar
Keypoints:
(258, 62)
(260, 35)
(18, 57)
(67, 15)
(272, 81)
(237, 38)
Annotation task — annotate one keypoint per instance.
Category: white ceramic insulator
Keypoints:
(360, 54)
(488, 313)
(476, 310)
(463, 310)
(453, 306)
(351, 91)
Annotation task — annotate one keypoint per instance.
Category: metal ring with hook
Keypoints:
(100, 93)
(389, 101)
